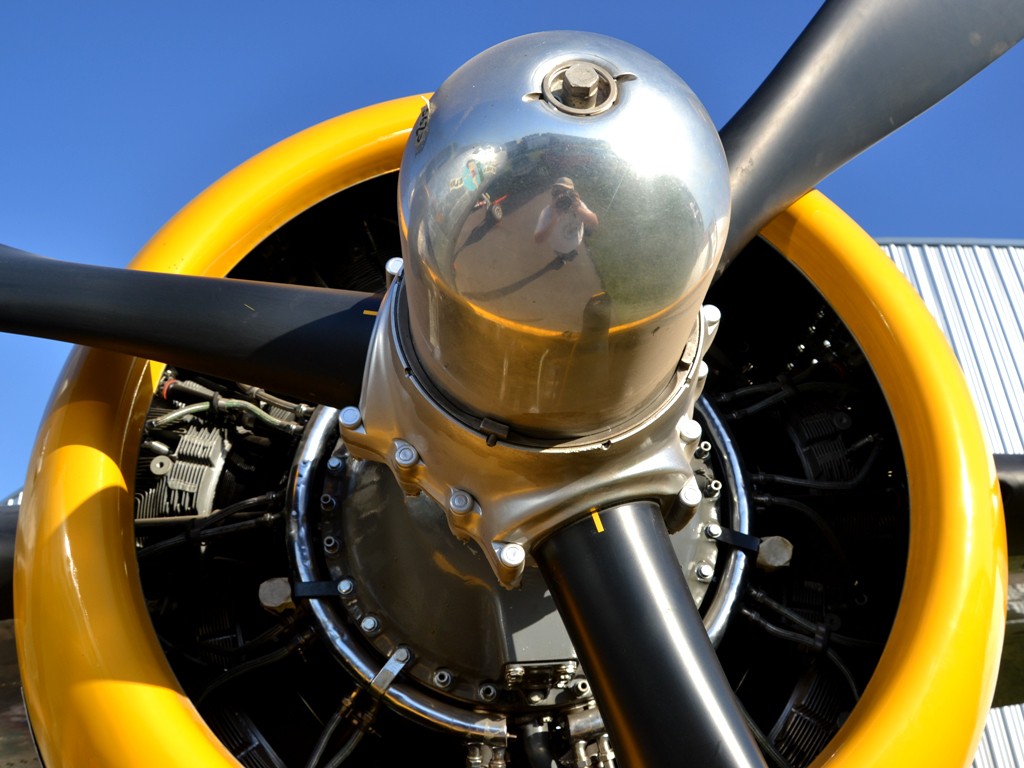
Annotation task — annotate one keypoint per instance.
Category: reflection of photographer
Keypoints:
(565, 198)
(564, 221)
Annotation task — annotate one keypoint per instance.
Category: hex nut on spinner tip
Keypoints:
(580, 82)
(350, 417)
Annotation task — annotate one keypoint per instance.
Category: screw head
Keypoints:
(334, 465)
(689, 431)
(713, 530)
(690, 496)
(369, 623)
(512, 555)
(460, 501)
(346, 587)
(350, 417)
(401, 654)
(406, 456)
(705, 571)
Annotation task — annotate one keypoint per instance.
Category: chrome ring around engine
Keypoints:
(507, 651)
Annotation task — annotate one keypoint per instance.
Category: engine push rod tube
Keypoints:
(621, 593)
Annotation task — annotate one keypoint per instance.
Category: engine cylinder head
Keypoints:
(564, 200)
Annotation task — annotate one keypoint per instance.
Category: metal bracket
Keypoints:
(396, 662)
(306, 590)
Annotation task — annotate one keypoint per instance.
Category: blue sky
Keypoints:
(114, 115)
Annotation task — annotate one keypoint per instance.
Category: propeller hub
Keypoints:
(564, 202)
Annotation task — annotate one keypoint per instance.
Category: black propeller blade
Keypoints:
(309, 343)
(622, 595)
(860, 70)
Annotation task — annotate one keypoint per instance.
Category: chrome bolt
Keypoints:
(460, 502)
(346, 587)
(394, 266)
(401, 654)
(582, 758)
(327, 502)
(703, 450)
(714, 489)
(512, 555)
(689, 431)
(713, 530)
(334, 465)
(350, 417)
(712, 317)
(690, 496)
(705, 571)
(330, 545)
(443, 679)
(369, 623)
(405, 455)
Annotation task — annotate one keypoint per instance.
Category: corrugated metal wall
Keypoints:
(976, 292)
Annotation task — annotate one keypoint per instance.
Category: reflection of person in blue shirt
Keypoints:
(564, 221)
(472, 175)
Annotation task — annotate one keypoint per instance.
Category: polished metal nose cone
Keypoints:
(564, 200)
